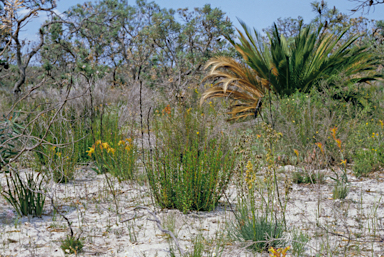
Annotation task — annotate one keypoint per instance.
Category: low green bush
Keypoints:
(71, 245)
(190, 166)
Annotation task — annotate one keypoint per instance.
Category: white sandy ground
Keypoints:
(354, 225)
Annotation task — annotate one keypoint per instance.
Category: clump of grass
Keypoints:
(249, 225)
(299, 241)
(189, 168)
(71, 245)
(25, 196)
(340, 190)
(300, 177)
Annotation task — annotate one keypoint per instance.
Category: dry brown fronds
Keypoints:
(237, 81)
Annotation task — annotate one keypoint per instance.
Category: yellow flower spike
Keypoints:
(381, 123)
(105, 145)
(90, 151)
(98, 142)
(128, 140)
(296, 152)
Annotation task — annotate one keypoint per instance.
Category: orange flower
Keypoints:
(320, 145)
(167, 110)
(338, 141)
(333, 132)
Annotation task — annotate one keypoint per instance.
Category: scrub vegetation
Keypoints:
(135, 130)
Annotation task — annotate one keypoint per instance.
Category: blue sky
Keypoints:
(255, 13)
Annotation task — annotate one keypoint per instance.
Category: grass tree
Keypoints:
(285, 66)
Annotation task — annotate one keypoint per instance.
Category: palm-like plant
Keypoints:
(285, 66)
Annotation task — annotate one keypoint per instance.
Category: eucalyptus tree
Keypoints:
(163, 47)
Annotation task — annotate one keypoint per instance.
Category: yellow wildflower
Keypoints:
(90, 151)
(98, 142)
(121, 142)
(111, 150)
(105, 145)
(296, 152)
(197, 132)
(279, 252)
(320, 145)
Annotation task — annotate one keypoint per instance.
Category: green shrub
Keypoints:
(71, 245)
(58, 158)
(368, 144)
(190, 166)
(113, 152)
(8, 129)
(118, 159)
(25, 196)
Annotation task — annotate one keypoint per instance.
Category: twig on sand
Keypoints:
(158, 222)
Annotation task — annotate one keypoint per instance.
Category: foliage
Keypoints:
(113, 152)
(309, 57)
(58, 161)
(257, 218)
(26, 197)
(340, 190)
(8, 130)
(71, 245)
(164, 47)
(286, 66)
(300, 177)
(250, 225)
(299, 240)
(248, 89)
(189, 167)
(119, 161)
(370, 154)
